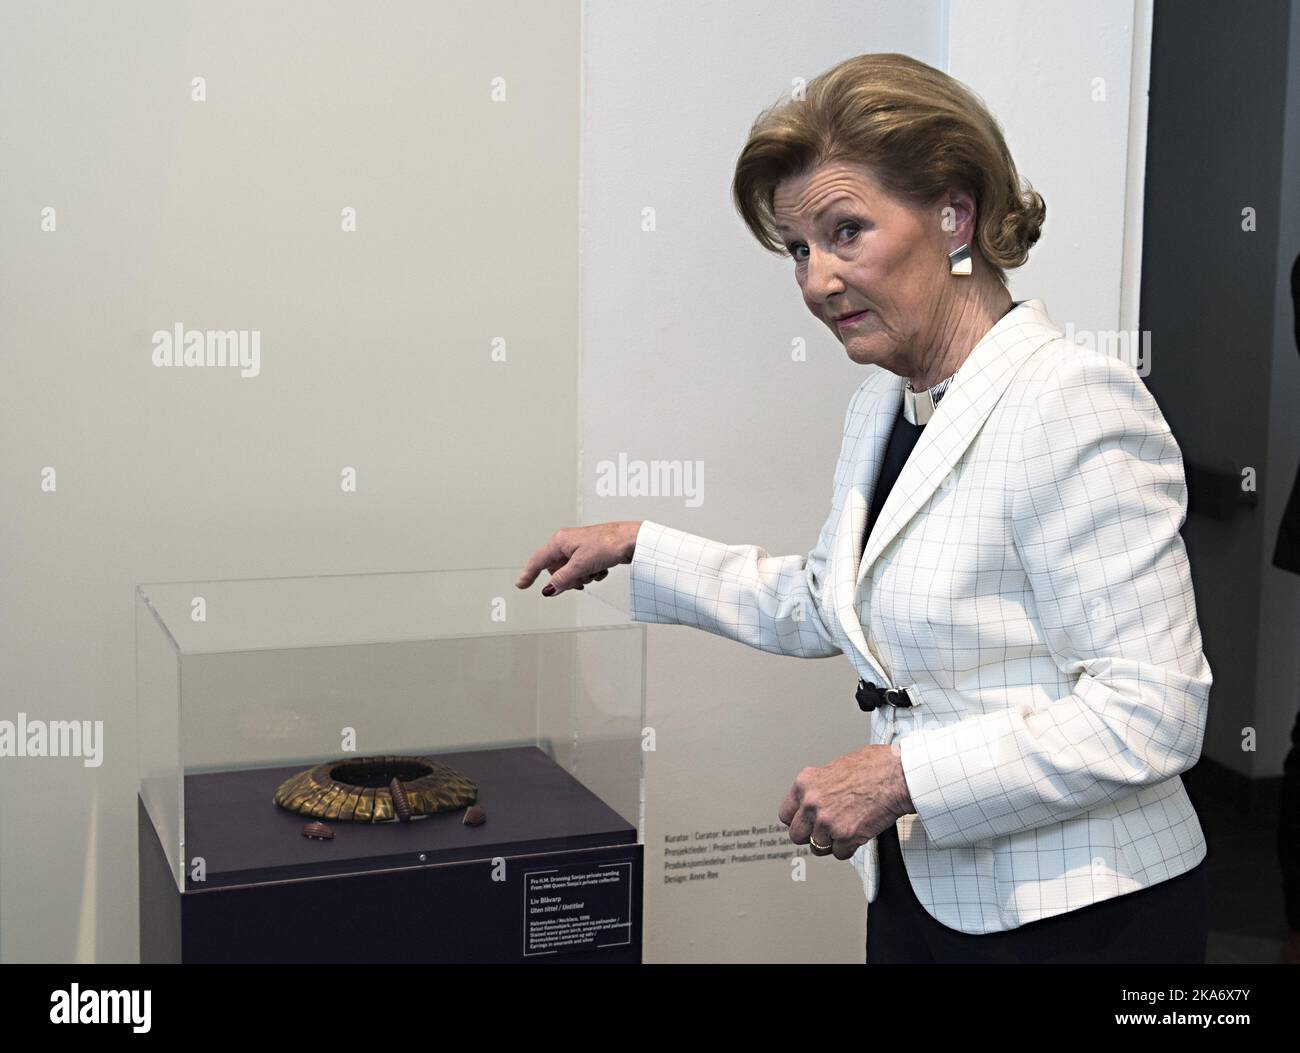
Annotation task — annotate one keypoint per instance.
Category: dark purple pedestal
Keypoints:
(553, 875)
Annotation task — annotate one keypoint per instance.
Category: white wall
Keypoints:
(1067, 82)
(376, 347)
(687, 333)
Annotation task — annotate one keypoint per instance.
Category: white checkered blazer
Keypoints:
(1026, 582)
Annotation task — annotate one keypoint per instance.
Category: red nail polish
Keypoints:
(548, 590)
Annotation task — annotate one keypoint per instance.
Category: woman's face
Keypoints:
(857, 248)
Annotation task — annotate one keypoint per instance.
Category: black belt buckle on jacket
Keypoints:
(871, 697)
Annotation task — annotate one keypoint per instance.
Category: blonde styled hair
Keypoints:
(918, 130)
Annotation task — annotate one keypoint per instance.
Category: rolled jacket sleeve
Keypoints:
(1099, 501)
(772, 603)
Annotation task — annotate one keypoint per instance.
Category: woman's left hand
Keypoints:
(847, 802)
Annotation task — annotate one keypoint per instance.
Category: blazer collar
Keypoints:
(970, 398)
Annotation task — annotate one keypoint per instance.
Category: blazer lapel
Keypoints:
(982, 379)
(886, 398)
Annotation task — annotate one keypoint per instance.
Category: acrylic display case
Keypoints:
(537, 701)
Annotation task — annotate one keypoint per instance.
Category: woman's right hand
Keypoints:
(577, 555)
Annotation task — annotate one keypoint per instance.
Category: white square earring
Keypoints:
(959, 260)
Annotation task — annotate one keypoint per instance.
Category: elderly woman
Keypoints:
(1001, 563)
